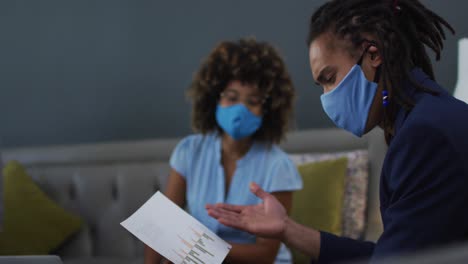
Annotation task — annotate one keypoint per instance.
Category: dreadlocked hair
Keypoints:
(403, 29)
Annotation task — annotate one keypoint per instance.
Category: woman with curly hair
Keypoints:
(242, 102)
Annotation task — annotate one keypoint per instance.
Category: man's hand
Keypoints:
(267, 219)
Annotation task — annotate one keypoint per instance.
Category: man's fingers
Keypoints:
(231, 223)
(232, 220)
(219, 212)
(213, 212)
(229, 207)
(259, 192)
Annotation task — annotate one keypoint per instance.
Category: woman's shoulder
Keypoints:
(274, 153)
(198, 138)
(195, 141)
(280, 172)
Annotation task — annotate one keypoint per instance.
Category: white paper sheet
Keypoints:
(176, 235)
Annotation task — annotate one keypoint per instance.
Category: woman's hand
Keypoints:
(267, 219)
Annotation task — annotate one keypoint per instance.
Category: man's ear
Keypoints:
(375, 57)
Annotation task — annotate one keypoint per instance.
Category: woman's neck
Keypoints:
(234, 149)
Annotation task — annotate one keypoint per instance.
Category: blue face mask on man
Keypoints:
(237, 121)
(348, 105)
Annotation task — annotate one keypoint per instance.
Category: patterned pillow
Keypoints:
(355, 197)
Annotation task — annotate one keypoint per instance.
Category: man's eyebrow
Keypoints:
(228, 89)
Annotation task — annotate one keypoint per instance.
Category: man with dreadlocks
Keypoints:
(370, 58)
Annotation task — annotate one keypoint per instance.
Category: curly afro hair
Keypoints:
(250, 62)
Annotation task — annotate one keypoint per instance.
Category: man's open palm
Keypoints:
(267, 219)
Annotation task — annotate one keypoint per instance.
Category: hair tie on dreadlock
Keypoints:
(396, 7)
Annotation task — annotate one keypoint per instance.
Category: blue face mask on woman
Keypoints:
(348, 105)
(237, 121)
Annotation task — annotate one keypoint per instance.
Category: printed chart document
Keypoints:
(176, 235)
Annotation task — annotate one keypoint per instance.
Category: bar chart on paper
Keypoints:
(197, 247)
(174, 234)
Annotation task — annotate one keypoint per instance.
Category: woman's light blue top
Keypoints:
(198, 159)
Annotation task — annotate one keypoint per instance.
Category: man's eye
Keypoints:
(253, 103)
(229, 96)
(331, 79)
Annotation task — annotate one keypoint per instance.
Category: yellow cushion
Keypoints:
(319, 204)
(33, 223)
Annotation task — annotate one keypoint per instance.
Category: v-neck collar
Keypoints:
(240, 162)
(225, 194)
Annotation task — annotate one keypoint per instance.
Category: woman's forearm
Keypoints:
(302, 238)
(151, 256)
